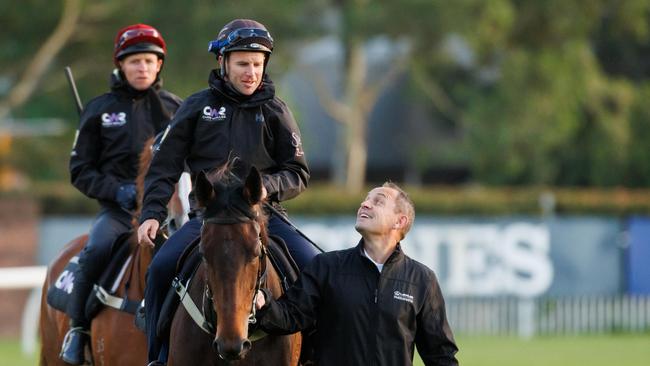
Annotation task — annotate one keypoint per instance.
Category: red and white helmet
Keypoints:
(138, 38)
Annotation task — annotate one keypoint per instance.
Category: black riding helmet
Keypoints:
(242, 35)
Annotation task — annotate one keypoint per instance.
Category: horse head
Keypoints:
(233, 246)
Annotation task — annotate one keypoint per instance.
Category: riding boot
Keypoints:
(74, 344)
(73, 348)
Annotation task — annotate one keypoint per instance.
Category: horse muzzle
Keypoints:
(231, 351)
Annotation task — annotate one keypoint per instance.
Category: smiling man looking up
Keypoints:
(371, 304)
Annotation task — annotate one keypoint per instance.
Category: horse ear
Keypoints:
(253, 186)
(203, 190)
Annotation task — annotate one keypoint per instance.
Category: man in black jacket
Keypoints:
(371, 304)
(105, 158)
(239, 115)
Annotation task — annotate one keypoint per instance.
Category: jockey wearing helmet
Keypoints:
(239, 115)
(105, 157)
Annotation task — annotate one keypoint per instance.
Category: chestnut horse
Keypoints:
(234, 266)
(115, 340)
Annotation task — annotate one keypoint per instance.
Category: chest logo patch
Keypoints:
(214, 114)
(113, 119)
(402, 297)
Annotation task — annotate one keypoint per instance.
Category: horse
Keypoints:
(114, 338)
(234, 266)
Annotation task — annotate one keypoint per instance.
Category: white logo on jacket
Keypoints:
(113, 119)
(297, 143)
(214, 114)
(403, 297)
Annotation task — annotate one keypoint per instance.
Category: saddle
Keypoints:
(187, 265)
(103, 292)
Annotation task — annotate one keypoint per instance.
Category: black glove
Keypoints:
(125, 196)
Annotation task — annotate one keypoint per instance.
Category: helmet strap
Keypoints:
(223, 61)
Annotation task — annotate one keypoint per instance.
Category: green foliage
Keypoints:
(320, 199)
(521, 92)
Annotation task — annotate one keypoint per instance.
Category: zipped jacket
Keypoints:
(362, 316)
(112, 132)
(219, 123)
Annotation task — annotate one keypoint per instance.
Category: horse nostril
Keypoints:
(231, 352)
(245, 346)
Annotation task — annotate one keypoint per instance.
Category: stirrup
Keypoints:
(156, 363)
(67, 339)
(68, 335)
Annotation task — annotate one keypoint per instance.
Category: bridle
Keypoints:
(244, 214)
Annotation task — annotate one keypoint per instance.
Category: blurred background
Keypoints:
(520, 127)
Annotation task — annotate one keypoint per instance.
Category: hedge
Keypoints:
(321, 199)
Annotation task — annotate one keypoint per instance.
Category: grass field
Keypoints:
(597, 350)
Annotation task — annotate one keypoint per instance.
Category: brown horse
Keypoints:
(114, 338)
(234, 266)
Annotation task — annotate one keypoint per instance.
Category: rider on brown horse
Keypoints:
(104, 160)
(238, 115)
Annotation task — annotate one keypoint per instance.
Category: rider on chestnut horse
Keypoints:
(104, 160)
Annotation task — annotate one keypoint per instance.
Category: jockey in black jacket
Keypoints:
(238, 115)
(105, 158)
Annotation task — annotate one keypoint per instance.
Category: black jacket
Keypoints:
(217, 123)
(112, 132)
(364, 317)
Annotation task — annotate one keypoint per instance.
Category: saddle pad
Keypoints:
(59, 293)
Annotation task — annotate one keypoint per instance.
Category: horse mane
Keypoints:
(143, 166)
(232, 172)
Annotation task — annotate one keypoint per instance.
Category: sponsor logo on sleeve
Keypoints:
(297, 143)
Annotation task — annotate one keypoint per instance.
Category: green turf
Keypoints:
(596, 350)
(10, 354)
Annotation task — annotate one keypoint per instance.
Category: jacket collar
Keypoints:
(396, 256)
(120, 86)
(221, 86)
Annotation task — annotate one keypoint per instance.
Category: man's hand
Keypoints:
(147, 232)
(259, 300)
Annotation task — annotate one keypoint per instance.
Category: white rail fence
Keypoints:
(13, 278)
(549, 316)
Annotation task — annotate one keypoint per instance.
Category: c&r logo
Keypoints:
(113, 119)
(214, 114)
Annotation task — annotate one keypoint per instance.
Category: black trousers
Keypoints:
(109, 224)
